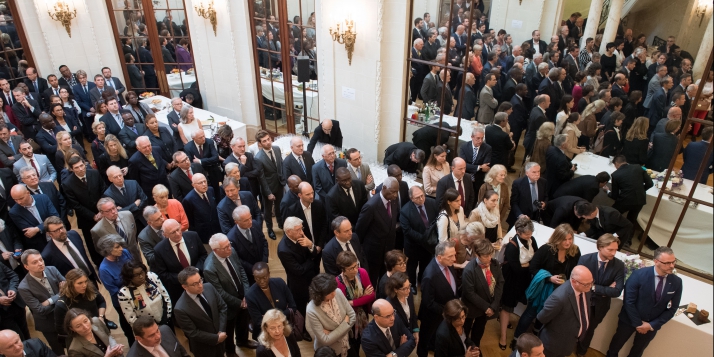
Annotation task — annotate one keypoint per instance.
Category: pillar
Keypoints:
(593, 21)
(705, 50)
(611, 24)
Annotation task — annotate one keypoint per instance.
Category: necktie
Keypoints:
(389, 209)
(188, 173)
(597, 223)
(329, 166)
(76, 257)
(205, 199)
(534, 193)
(236, 280)
(272, 158)
(85, 88)
(249, 236)
(152, 160)
(181, 257)
(32, 162)
(489, 279)
(461, 193)
(34, 83)
(583, 317)
(391, 340)
(447, 274)
(200, 150)
(349, 193)
(119, 230)
(349, 249)
(160, 233)
(55, 90)
(7, 99)
(84, 179)
(133, 128)
(359, 175)
(658, 290)
(206, 307)
(601, 271)
(12, 147)
(119, 121)
(123, 191)
(422, 213)
(302, 165)
(35, 213)
(473, 160)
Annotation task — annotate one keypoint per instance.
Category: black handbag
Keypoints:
(298, 322)
(431, 236)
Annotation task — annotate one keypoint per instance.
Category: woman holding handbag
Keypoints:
(451, 217)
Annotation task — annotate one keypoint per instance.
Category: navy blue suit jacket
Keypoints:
(435, 292)
(202, 217)
(167, 266)
(83, 99)
(54, 257)
(226, 207)
(333, 248)
(49, 190)
(639, 299)
(249, 253)
(559, 168)
(614, 272)
(375, 343)
(110, 124)
(210, 154)
(292, 167)
(322, 180)
(24, 219)
(519, 116)
(141, 170)
(656, 111)
(48, 142)
(694, 154)
(128, 202)
(320, 225)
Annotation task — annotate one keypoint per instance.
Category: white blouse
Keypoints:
(277, 352)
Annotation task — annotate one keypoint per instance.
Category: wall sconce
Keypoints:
(346, 33)
(207, 13)
(63, 14)
(701, 11)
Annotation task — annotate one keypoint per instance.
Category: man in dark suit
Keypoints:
(377, 226)
(224, 271)
(518, 119)
(696, 153)
(66, 242)
(323, 172)
(652, 296)
(458, 180)
(618, 90)
(114, 83)
(127, 194)
(291, 195)
(499, 141)
(419, 70)
(152, 234)
(536, 44)
(566, 314)
(560, 169)
(128, 134)
(246, 162)
(438, 286)
(346, 198)
(33, 81)
(428, 87)
(396, 341)
(564, 210)
(272, 180)
(298, 162)
(112, 119)
(605, 219)
(415, 218)
(45, 136)
(248, 241)
(41, 300)
(572, 60)
(312, 213)
(535, 120)
(201, 209)
(515, 77)
(202, 314)
(522, 192)
(425, 138)
(147, 65)
(405, 155)
(27, 111)
(10, 343)
(477, 156)
(28, 175)
(586, 186)
(52, 89)
(179, 179)
(553, 87)
(147, 167)
(300, 258)
(629, 189)
(416, 30)
(174, 254)
(259, 303)
(466, 106)
(609, 279)
(81, 94)
(328, 132)
(659, 102)
(29, 215)
(402, 198)
(343, 240)
(234, 198)
(150, 335)
(447, 105)
(201, 150)
(9, 147)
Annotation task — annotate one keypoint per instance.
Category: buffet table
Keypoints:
(239, 129)
(180, 81)
(466, 125)
(694, 244)
(275, 92)
(676, 337)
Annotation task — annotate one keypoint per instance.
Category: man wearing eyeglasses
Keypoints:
(65, 251)
(116, 222)
(652, 296)
(29, 214)
(202, 314)
(386, 324)
(567, 314)
(609, 280)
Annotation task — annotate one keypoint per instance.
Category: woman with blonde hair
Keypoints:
(436, 168)
(169, 207)
(99, 129)
(188, 124)
(64, 144)
(114, 155)
(496, 180)
(276, 338)
(636, 143)
(589, 125)
(488, 214)
(544, 138)
(573, 133)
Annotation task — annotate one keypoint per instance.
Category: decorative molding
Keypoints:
(94, 35)
(378, 82)
(44, 33)
(235, 63)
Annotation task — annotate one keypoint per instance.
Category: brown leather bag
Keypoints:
(298, 322)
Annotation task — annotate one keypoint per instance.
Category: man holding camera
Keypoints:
(528, 195)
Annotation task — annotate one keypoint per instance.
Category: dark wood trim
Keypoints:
(117, 42)
(256, 67)
(21, 34)
(287, 70)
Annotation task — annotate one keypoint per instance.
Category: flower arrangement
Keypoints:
(632, 263)
(676, 178)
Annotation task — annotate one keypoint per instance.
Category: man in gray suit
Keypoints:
(359, 171)
(487, 103)
(566, 314)
(116, 222)
(152, 234)
(159, 339)
(45, 170)
(9, 147)
(224, 270)
(271, 180)
(40, 291)
(428, 87)
(202, 314)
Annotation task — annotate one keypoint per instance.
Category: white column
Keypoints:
(613, 21)
(705, 50)
(593, 21)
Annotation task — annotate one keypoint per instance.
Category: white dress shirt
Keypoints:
(63, 249)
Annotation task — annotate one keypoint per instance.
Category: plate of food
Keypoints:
(175, 71)
(147, 95)
(189, 71)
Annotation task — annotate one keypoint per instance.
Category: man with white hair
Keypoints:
(152, 234)
(116, 222)
(300, 258)
(560, 169)
(200, 206)
(235, 197)
(223, 269)
(175, 115)
(147, 167)
(419, 70)
(525, 191)
(248, 240)
(328, 132)
(299, 162)
(202, 150)
(127, 194)
(246, 162)
(180, 178)
(323, 172)
(178, 251)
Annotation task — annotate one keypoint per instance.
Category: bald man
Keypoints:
(291, 195)
(173, 254)
(323, 173)
(566, 314)
(386, 325)
(313, 214)
(147, 167)
(467, 106)
(12, 346)
(328, 132)
(201, 209)
(127, 194)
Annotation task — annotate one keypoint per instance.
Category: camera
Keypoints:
(538, 204)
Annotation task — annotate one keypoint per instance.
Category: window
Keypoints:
(15, 54)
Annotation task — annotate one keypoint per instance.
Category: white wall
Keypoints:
(528, 15)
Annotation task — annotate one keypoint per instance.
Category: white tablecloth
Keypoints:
(275, 91)
(466, 125)
(239, 129)
(694, 244)
(678, 337)
(179, 81)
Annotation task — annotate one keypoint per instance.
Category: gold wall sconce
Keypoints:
(345, 34)
(63, 14)
(208, 13)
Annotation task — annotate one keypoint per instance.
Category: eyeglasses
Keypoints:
(403, 263)
(352, 268)
(405, 288)
(60, 229)
(588, 285)
(196, 284)
(390, 316)
(672, 263)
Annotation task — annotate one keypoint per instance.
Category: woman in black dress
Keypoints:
(636, 142)
(395, 261)
(451, 339)
(400, 296)
(609, 61)
(612, 140)
(114, 155)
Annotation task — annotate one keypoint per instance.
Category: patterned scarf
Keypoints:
(355, 290)
(333, 312)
